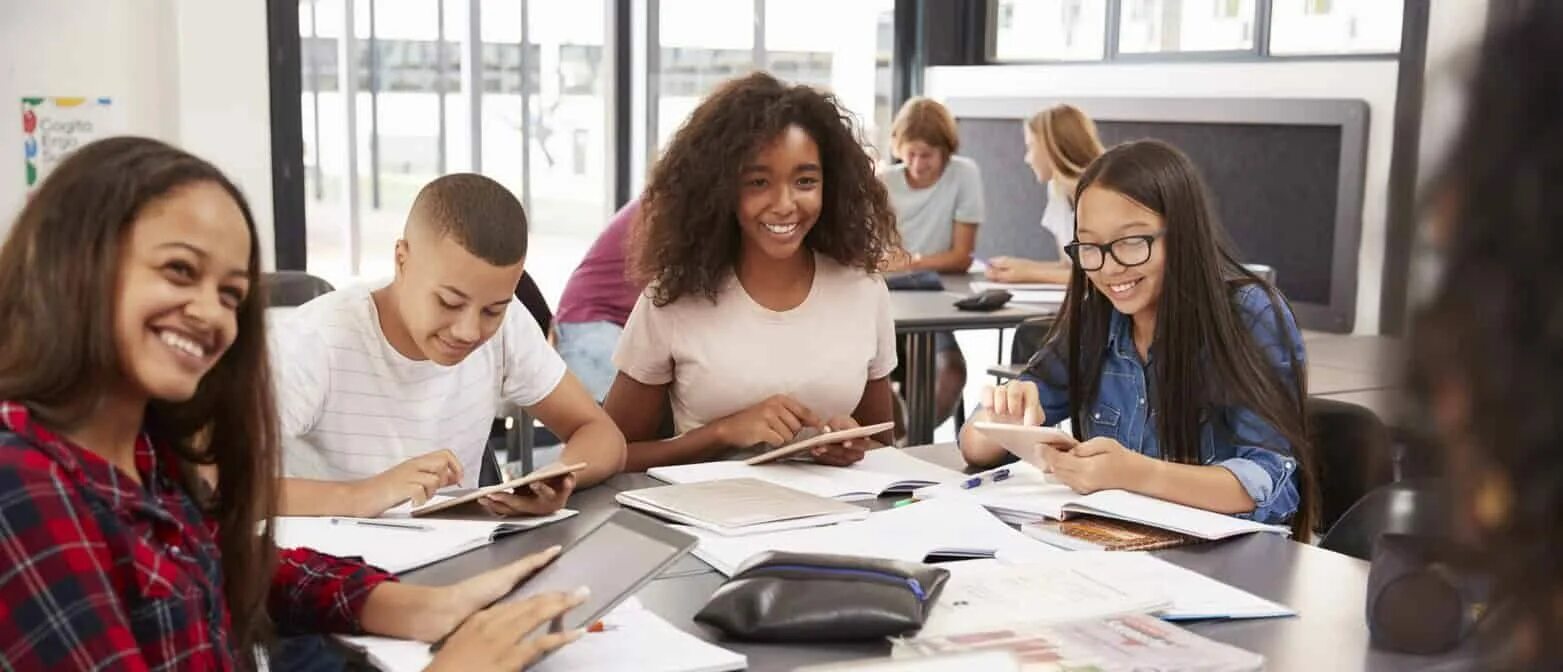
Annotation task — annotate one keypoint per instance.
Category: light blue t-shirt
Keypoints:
(927, 217)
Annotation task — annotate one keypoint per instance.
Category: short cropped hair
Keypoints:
(927, 120)
(478, 213)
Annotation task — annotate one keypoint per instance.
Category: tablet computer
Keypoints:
(614, 560)
(1022, 440)
(818, 440)
(441, 504)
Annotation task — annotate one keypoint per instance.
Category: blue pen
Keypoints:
(975, 481)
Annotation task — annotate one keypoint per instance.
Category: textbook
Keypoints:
(1024, 495)
(740, 506)
(882, 471)
(399, 544)
(1092, 533)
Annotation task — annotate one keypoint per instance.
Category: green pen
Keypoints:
(903, 502)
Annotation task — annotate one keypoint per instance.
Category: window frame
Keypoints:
(1260, 52)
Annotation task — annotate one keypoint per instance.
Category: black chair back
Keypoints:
(1354, 455)
(1404, 507)
(289, 289)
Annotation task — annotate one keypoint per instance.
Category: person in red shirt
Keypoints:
(596, 303)
(138, 446)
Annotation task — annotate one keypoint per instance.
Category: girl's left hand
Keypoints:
(452, 604)
(1099, 464)
(845, 453)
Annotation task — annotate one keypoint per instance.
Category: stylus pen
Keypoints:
(414, 527)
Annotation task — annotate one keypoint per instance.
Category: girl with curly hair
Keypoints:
(763, 228)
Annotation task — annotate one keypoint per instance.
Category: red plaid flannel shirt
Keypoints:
(98, 572)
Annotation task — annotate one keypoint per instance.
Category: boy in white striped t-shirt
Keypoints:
(387, 392)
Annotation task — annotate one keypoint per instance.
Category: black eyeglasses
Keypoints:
(1127, 251)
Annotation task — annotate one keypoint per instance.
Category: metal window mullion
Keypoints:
(1262, 13)
(314, 96)
(439, 83)
(526, 110)
(653, 76)
(761, 60)
(1110, 48)
(374, 110)
(472, 79)
(347, 82)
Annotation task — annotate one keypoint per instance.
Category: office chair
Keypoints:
(1354, 455)
(290, 289)
(514, 429)
(1404, 507)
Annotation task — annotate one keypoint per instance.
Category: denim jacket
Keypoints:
(1232, 437)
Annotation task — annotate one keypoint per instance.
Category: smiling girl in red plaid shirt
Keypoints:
(132, 355)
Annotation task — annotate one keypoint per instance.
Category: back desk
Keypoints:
(1328, 590)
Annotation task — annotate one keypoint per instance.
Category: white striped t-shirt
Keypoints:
(351, 406)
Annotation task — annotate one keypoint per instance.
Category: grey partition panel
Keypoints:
(1013, 198)
(1286, 176)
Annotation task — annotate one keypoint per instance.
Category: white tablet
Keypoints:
(1024, 440)
(818, 440)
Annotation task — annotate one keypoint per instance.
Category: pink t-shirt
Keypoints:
(726, 356)
(600, 290)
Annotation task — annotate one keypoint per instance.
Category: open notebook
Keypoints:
(1027, 497)
(951, 528)
(984, 594)
(399, 545)
(740, 506)
(632, 639)
(882, 471)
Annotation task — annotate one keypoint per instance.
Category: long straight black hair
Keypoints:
(1206, 358)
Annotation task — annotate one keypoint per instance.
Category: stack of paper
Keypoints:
(984, 594)
(1127, 643)
(1026, 496)
(632, 640)
(399, 545)
(952, 527)
(741, 506)
(881, 471)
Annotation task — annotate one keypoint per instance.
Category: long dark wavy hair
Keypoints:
(58, 279)
(1488, 345)
(688, 239)
(1206, 357)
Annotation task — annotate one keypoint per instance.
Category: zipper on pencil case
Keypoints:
(911, 583)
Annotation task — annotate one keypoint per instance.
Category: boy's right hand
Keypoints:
(774, 421)
(1015, 402)
(416, 479)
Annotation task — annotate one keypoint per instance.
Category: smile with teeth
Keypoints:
(782, 229)
(182, 344)
(1123, 287)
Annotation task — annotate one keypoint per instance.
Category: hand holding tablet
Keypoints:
(1027, 442)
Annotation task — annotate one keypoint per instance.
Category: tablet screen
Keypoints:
(612, 560)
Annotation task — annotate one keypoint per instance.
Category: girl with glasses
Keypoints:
(1180, 372)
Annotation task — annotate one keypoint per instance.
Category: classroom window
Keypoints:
(1168, 26)
(1308, 27)
(849, 55)
(541, 82)
(702, 43)
(1050, 30)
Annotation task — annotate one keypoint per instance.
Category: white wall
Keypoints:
(189, 72)
(1372, 80)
